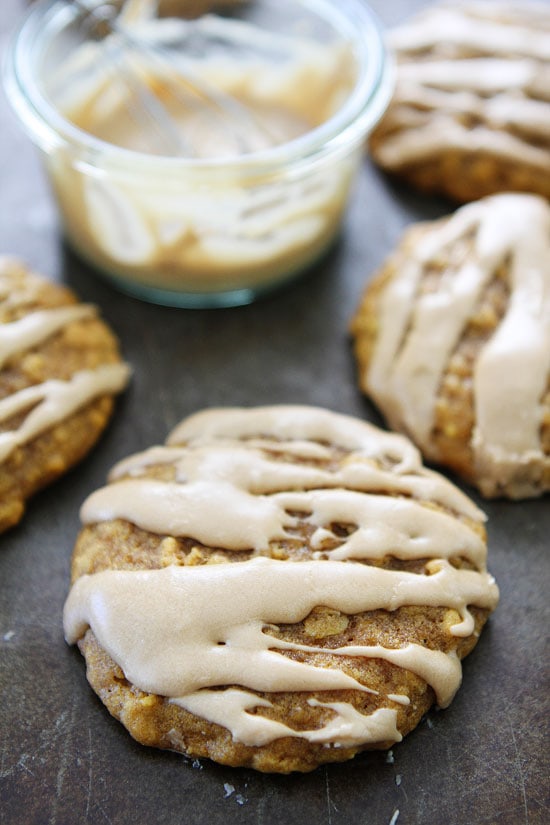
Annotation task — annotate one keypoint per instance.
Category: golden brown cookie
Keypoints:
(452, 339)
(471, 111)
(59, 370)
(277, 587)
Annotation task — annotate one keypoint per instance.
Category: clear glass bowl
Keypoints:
(205, 228)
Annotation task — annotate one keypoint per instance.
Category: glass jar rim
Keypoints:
(361, 110)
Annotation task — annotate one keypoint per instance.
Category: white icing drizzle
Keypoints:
(476, 60)
(512, 371)
(179, 632)
(251, 521)
(473, 27)
(346, 728)
(56, 400)
(291, 424)
(418, 333)
(204, 625)
(442, 133)
(242, 468)
(36, 327)
(384, 524)
(473, 75)
(496, 111)
(53, 400)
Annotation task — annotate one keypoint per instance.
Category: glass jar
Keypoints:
(202, 227)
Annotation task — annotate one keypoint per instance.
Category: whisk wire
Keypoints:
(180, 82)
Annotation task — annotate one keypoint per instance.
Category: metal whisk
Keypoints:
(138, 62)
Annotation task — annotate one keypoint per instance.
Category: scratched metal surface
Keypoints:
(63, 759)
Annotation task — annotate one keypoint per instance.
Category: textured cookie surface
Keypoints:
(277, 587)
(453, 342)
(471, 111)
(59, 371)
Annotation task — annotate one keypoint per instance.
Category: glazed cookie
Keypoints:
(453, 342)
(277, 587)
(471, 112)
(59, 371)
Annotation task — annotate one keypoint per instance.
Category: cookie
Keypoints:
(277, 588)
(470, 116)
(59, 371)
(452, 339)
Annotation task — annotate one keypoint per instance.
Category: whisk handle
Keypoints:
(101, 17)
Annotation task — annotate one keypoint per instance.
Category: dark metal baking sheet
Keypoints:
(63, 759)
